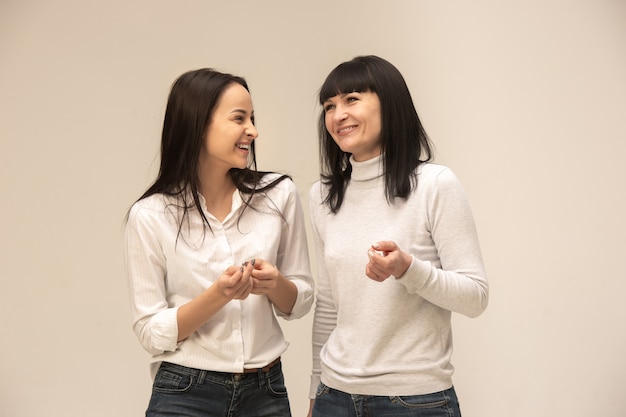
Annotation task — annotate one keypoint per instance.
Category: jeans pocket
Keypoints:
(276, 384)
(321, 390)
(419, 401)
(168, 381)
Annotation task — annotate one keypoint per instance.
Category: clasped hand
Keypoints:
(386, 259)
(256, 276)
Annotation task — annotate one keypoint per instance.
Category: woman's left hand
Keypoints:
(264, 277)
(386, 259)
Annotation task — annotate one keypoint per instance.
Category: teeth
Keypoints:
(243, 147)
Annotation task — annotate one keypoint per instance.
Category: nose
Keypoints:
(251, 131)
(340, 113)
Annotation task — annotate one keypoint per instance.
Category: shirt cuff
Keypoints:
(165, 330)
(304, 301)
(415, 276)
(315, 382)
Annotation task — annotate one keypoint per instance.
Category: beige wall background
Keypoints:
(525, 101)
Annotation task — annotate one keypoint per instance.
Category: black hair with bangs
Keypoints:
(404, 143)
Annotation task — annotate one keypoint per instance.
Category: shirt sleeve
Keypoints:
(459, 284)
(293, 257)
(154, 323)
(325, 319)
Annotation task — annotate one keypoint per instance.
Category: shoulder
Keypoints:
(317, 193)
(150, 203)
(437, 180)
(285, 185)
(431, 170)
(279, 190)
(154, 206)
(435, 174)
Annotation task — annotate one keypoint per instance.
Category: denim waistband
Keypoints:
(201, 373)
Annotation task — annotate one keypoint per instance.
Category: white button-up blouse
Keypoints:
(166, 269)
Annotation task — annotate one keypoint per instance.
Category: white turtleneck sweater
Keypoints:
(393, 337)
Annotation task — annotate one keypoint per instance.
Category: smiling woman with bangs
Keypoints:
(397, 252)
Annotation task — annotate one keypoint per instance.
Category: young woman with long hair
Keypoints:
(215, 252)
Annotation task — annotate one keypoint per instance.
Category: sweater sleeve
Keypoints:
(459, 282)
(325, 319)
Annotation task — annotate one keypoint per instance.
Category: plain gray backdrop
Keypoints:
(525, 101)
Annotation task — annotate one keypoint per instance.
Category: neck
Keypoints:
(214, 179)
(216, 186)
(218, 198)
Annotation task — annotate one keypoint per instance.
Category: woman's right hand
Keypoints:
(236, 282)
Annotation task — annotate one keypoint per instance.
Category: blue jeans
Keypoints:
(330, 402)
(181, 391)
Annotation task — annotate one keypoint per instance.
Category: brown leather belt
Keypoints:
(264, 369)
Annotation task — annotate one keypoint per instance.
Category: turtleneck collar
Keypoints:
(366, 170)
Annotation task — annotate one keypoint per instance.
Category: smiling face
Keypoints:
(354, 122)
(230, 132)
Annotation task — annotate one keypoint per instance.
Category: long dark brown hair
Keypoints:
(192, 99)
